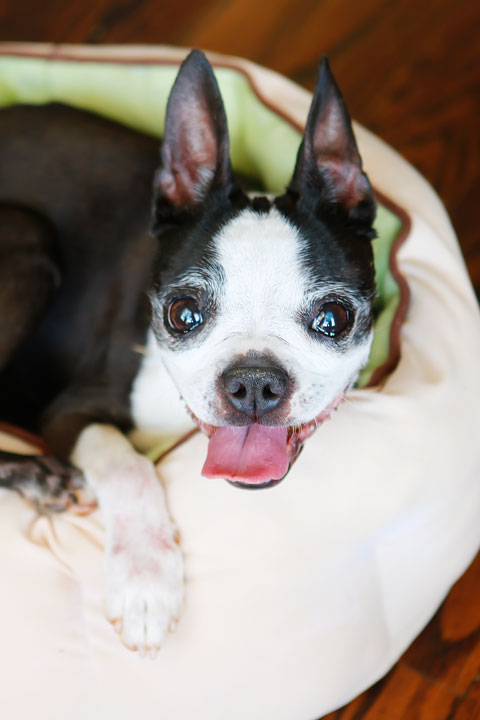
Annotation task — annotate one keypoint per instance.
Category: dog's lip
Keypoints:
(257, 486)
(296, 437)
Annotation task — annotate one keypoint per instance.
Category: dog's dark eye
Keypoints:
(184, 315)
(331, 320)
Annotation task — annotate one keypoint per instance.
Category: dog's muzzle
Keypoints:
(256, 455)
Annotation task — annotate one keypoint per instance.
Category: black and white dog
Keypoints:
(256, 311)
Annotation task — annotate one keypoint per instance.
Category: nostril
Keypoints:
(241, 393)
(269, 393)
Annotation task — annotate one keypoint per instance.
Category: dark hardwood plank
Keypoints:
(408, 694)
(469, 708)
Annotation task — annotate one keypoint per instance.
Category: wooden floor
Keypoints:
(410, 71)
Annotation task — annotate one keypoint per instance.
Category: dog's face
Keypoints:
(262, 307)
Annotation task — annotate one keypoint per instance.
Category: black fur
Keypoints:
(90, 181)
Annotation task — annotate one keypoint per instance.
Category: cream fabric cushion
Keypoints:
(299, 597)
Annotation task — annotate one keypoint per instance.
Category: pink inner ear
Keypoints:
(333, 150)
(350, 186)
(330, 138)
(189, 155)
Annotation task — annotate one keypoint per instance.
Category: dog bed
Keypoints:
(299, 597)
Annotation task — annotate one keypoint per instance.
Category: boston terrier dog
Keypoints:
(250, 315)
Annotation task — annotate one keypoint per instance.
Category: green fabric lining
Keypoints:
(263, 145)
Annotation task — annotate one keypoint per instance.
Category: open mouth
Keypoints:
(257, 456)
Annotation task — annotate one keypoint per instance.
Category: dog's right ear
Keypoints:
(195, 149)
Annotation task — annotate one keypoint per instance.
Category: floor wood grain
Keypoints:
(410, 72)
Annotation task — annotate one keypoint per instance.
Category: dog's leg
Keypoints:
(29, 279)
(29, 276)
(144, 569)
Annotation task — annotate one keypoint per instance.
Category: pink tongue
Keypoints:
(254, 454)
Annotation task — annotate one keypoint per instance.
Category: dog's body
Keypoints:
(260, 312)
(96, 208)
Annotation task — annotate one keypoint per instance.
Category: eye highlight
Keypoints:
(332, 319)
(183, 315)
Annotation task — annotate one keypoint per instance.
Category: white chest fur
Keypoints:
(157, 408)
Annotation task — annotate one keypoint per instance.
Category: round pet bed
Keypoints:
(299, 597)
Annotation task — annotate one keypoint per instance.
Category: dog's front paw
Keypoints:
(50, 484)
(144, 588)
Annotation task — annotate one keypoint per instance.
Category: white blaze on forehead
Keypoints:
(264, 281)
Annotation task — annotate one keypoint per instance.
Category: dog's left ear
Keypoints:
(329, 167)
(195, 148)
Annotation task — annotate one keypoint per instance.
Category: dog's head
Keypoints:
(262, 307)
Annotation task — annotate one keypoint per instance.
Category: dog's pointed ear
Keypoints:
(329, 168)
(195, 148)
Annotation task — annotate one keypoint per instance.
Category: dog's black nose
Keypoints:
(255, 391)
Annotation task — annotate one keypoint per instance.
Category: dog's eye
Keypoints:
(332, 319)
(184, 315)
